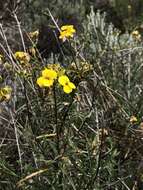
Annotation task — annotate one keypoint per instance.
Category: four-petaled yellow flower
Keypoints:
(22, 57)
(67, 31)
(47, 78)
(67, 85)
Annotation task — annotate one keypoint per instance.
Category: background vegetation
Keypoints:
(92, 137)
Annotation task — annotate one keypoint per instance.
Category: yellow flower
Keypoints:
(67, 31)
(136, 34)
(34, 34)
(67, 85)
(47, 78)
(5, 93)
(21, 56)
(133, 119)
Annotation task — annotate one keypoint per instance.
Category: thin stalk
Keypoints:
(28, 109)
(91, 183)
(56, 120)
(20, 32)
(17, 141)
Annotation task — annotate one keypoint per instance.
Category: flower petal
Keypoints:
(48, 83)
(40, 81)
(63, 80)
(43, 82)
(71, 85)
(67, 27)
(49, 73)
(67, 89)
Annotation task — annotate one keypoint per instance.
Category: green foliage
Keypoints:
(82, 140)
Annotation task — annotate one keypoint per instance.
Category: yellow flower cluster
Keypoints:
(22, 57)
(67, 31)
(49, 76)
(5, 93)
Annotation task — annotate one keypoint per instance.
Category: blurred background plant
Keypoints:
(88, 138)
